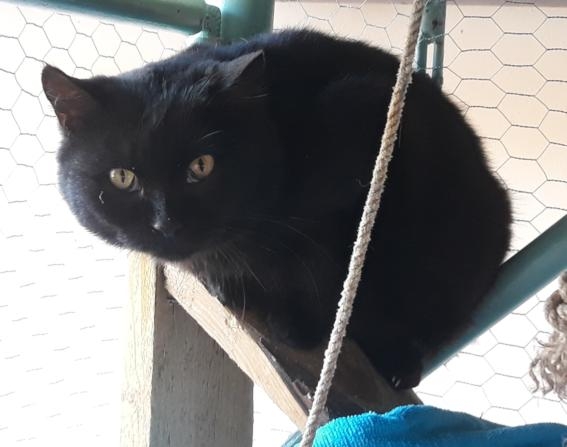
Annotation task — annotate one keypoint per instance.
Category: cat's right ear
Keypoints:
(72, 103)
(247, 69)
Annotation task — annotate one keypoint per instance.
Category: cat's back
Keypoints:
(291, 55)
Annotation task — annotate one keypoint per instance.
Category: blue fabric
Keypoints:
(424, 426)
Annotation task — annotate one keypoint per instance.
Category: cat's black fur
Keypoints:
(294, 121)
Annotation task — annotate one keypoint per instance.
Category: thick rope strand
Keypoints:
(366, 224)
(549, 368)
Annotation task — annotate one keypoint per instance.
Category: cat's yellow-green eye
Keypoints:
(123, 179)
(200, 168)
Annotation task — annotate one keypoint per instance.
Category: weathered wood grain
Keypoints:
(180, 388)
(288, 376)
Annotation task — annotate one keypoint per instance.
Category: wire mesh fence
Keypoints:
(63, 290)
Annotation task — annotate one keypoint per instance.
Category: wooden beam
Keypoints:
(288, 376)
(235, 339)
(180, 388)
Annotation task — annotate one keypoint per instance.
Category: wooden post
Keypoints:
(180, 388)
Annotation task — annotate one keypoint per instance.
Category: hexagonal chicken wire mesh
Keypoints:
(63, 290)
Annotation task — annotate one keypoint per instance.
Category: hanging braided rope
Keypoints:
(366, 224)
(549, 368)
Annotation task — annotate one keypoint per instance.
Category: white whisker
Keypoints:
(210, 134)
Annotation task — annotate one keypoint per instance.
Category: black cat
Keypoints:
(252, 161)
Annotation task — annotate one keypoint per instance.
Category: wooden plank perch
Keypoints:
(181, 388)
(287, 375)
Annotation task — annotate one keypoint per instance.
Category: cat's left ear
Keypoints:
(71, 102)
(245, 70)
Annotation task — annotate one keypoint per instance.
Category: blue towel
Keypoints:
(424, 426)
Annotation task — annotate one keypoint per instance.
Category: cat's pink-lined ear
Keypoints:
(71, 103)
(246, 69)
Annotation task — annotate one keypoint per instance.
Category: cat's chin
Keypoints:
(171, 254)
(162, 250)
(178, 250)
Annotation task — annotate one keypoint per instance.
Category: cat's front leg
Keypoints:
(290, 317)
(298, 323)
(294, 330)
(231, 293)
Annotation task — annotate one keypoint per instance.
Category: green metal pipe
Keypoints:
(420, 63)
(239, 19)
(522, 276)
(245, 18)
(438, 32)
(438, 56)
(192, 16)
(432, 31)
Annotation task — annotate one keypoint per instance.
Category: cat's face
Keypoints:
(166, 161)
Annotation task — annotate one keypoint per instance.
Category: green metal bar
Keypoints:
(432, 31)
(239, 18)
(420, 63)
(438, 55)
(520, 277)
(245, 18)
(192, 16)
(438, 31)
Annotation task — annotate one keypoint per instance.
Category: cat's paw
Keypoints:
(407, 380)
(404, 369)
(399, 361)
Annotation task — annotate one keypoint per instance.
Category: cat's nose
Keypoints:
(168, 227)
